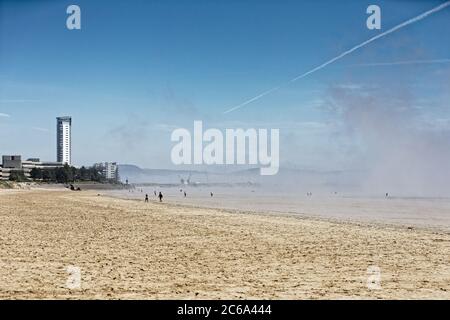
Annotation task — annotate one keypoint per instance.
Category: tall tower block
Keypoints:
(64, 140)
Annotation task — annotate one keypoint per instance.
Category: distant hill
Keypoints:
(135, 174)
(133, 169)
(286, 177)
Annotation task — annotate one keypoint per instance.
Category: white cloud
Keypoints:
(4, 115)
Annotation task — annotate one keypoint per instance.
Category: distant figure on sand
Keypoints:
(146, 198)
(387, 194)
(160, 196)
(154, 193)
(212, 194)
(185, 194)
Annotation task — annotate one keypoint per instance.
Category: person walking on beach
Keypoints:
(185, 194)
(146, 198)
(212, 194)
(160, 196)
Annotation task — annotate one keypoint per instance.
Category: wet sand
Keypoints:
(423, 212)
(130, 249)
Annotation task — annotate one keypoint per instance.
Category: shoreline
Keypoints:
(300, 216)
(270, 213)
(432, 225)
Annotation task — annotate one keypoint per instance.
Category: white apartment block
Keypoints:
(111, 170)
(64, 140)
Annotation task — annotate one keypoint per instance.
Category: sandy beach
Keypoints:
(128, 249)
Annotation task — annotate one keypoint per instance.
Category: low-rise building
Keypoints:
(15, 164)
(12, 162)
(4, 173)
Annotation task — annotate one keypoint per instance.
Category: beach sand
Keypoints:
(130, 249)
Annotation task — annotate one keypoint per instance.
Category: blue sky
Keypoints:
(138, 69)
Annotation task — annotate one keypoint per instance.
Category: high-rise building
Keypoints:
(109, 170)
(64, 140)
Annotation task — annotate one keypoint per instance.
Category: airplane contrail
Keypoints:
(400, 26)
